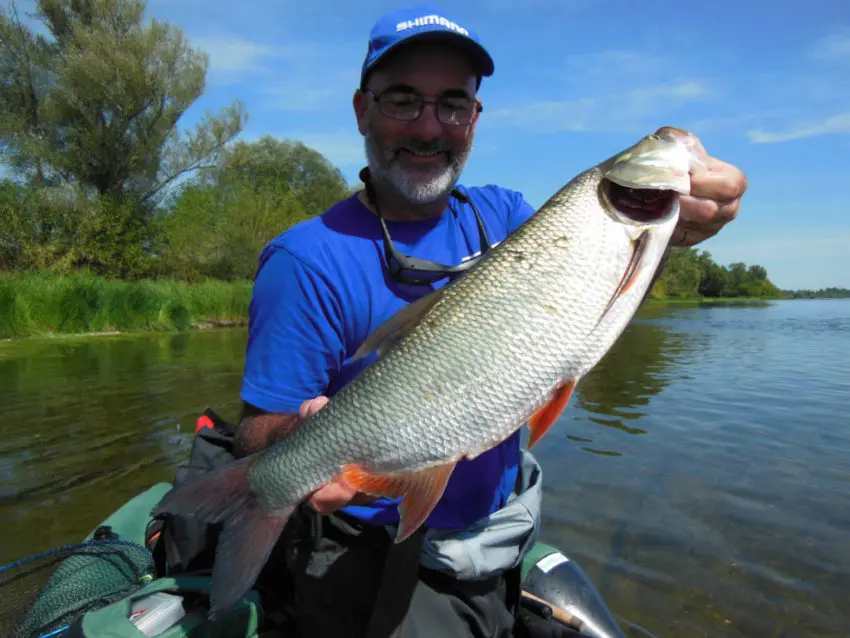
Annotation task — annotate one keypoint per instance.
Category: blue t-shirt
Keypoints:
(323, 286)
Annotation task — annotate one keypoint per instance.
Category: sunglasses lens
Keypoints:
(423, 272)
(421, 277)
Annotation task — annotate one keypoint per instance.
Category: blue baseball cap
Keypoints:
(422, 22)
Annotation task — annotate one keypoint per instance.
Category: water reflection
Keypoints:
(728, 517)
(88, 422)
(700, 475)
(618, 392)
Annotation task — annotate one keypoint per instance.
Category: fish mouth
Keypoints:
(639, 205)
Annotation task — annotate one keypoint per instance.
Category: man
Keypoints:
(323, 286)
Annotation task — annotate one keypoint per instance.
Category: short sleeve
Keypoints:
(520, 211)
(295, 342)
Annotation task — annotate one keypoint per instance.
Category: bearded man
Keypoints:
(323, 286)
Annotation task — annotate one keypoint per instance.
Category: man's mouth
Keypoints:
(423, 156)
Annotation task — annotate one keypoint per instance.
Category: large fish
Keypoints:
(461, 370)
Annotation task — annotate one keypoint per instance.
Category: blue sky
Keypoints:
(766, 86)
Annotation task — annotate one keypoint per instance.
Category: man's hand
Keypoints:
(335, 494)
(715, 198)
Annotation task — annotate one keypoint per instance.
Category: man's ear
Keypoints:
(360, 104)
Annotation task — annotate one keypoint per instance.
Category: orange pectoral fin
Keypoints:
(540, 423)
(419, 491)
(632, 271)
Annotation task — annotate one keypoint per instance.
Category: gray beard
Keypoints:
(384, 168)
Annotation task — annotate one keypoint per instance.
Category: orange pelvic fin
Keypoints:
(419, 491)
(543, 419)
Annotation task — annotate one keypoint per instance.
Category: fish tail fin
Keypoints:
(249, 531)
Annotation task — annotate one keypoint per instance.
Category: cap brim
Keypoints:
(481, 60)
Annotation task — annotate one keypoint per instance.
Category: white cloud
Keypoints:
(232, 54)
(836, 124)
(613, 90)
(343, 148)
(628, 91)
(833, 47)
(305, 88)
(300, 76)
(293, 97)
(615, 66)
(628, 111)
(736, 121)
(796, 105)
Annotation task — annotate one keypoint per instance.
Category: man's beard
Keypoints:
(415, 189)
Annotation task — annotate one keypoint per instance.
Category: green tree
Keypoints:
(756, 273)
(25, 65)
(89, 119)
(692, 273)
(682, 274)
(737, 278)
(99, 101)
(301, 170)
(714, 278)
(216, 225)
(110, 90)
(759, 288)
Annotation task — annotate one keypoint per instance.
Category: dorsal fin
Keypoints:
(396, 327)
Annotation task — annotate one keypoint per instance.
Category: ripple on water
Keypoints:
(727, 516)
(700, 475)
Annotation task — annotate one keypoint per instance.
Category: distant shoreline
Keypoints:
(709, 300)
(200, 327)
(48, 305)
(733, 300)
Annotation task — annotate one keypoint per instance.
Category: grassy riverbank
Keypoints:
(47, 304)
(44, 304)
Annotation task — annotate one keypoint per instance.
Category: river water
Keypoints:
(700, 475)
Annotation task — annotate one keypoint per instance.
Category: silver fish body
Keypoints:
(460, 371)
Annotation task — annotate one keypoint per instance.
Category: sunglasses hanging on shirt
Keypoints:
(416, 271)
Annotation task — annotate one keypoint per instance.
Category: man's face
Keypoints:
(422, 158)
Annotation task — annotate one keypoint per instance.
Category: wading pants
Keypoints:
(349, 580)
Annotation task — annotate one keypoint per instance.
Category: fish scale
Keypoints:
(459, 371)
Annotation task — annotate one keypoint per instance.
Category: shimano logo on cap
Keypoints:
(429, 20)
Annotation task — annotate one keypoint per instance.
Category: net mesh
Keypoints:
(42, 594)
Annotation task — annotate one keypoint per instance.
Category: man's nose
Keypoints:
(427, 125)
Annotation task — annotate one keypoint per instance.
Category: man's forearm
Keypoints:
(258, 429)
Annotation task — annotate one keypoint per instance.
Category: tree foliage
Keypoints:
(693, 274)
(104, 178)
(215, 226)
(96, 102)
(211, 226)
(822, 293)
(106, 181)
(91, 102)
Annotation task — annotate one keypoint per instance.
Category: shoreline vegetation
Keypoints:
(45, 304)
(117, 218)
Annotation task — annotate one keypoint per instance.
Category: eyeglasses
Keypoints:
(415, 271)
(405, 105)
